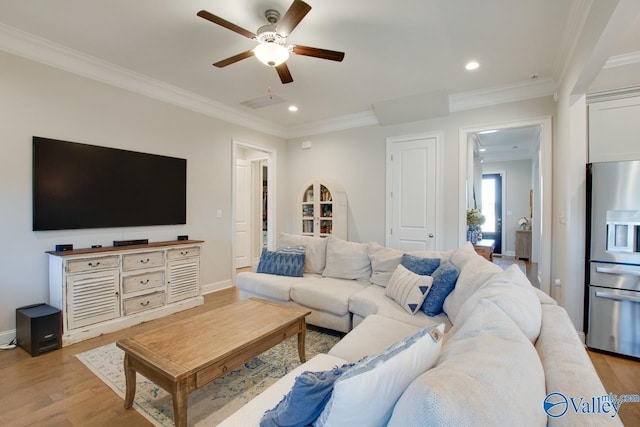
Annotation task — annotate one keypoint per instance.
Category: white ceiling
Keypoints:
(519, 143)
(394, 49)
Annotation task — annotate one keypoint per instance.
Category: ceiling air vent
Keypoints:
(263, 101)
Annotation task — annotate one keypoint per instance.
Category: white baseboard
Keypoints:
(582, 337)
(216, 286)
(7, 336)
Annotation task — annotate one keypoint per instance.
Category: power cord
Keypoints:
(9, 346)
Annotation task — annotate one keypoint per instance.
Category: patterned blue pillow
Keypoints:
(306, 399)
(287, 261)
(444, 280)
(421, 266)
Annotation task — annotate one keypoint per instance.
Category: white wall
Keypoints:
(355, 159)
(44, 101)
(605, 22)
(516, 183)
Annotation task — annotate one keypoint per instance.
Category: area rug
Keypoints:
(213, 403)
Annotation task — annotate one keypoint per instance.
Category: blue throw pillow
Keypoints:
(288, 261)
(444, 280)
(422, 266)
(305, 401)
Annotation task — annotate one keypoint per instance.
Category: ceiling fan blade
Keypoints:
(331, 55)
(224, 23)
(292, 17)
(234, 59)
(283, 72)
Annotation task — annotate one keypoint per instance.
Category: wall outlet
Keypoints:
(557, 282)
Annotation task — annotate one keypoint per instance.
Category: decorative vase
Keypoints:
(472, 234)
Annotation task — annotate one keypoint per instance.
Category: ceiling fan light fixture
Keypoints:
(271, 54)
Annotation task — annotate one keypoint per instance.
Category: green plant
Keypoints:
(475, 217)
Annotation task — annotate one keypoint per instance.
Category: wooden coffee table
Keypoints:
(193, 352)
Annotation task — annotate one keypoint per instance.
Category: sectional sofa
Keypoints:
(500, 352)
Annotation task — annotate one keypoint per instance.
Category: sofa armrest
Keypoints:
(568, 369)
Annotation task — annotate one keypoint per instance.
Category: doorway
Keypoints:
(542, 194)
(492, 209)
(253, 203)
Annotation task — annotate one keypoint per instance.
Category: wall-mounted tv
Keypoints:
(78, 186)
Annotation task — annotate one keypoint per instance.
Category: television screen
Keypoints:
(78, 186)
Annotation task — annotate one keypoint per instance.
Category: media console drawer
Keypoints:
(140, 282)
(92, 264)
(142, 260)
(183, 252)
(143, 302)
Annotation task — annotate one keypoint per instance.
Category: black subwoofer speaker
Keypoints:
(38, 328)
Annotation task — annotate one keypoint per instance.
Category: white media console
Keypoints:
(102, 290)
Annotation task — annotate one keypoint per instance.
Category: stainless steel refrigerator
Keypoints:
(613, 257)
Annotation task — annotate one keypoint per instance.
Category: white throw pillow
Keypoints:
(408, 289)
(366, 394)
(383, 262)
(488, 374)
(347, 260)
(316, 250)
(512, 292)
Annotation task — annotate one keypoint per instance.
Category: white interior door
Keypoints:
(413, 194)
(243, 213)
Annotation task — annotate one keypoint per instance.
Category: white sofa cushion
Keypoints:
(474, 272)
(488, 374)
(374, 334)
(512, 292)
(316, 249)
(268, 286)
(408, 289)
(372, 300)
(383, 262)
(366, 393)
(347, 260)
(326, 293)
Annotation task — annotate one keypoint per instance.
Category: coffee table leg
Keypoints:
(180, 400)
(130, 377)
(301, 336)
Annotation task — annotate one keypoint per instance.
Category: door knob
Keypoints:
(431, 235)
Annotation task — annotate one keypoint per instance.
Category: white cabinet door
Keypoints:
(92, 298)
(183, 279)
(614, 130)
(412, 203)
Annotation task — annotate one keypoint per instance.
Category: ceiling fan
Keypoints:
(272, 49)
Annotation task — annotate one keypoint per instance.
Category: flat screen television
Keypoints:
(79, 186)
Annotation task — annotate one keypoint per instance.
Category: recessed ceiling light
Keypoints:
(484, 132)
(482, 150)
(472, 65)
(293, 108)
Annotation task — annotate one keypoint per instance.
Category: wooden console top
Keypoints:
(123, 248)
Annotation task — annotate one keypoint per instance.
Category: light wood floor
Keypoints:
(55, 389)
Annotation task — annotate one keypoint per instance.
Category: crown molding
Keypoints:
(578, 14)
(44, 51)
(349, 121)
(501, 94)
(35, 48)
(622, 60)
